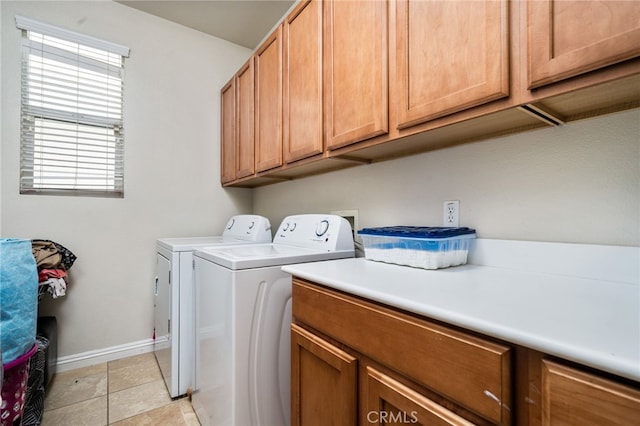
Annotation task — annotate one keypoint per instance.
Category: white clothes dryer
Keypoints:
(243, 320)
(174, 306)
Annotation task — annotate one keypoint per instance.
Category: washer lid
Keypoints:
(188, 243)
(259, 256)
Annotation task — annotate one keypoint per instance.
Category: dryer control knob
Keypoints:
(230, 224)
(286, 226)
(322, 228)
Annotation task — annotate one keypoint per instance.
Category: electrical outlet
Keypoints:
(451, 213)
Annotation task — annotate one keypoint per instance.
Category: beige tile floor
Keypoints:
(124, 392)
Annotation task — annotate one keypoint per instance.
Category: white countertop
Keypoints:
(593, 322)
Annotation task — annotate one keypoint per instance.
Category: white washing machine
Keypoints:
(174, 305)
(243, 320)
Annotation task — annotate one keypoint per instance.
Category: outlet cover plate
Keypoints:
(451, 213)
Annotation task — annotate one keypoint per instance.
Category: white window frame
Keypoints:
(72, 125)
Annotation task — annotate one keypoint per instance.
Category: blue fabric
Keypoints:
(18, 298)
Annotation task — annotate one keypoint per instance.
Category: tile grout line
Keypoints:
(108, 388)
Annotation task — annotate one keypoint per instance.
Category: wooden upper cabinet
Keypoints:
(302, 82)
(574, 397)
(451, 55)
(245, 146)
(228, 132)
(268, 103)
(568, 38)
(355, 71)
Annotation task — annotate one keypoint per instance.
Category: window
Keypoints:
(71, 133)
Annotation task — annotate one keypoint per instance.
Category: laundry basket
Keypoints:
(14, 388)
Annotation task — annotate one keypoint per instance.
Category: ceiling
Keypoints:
(243, 22)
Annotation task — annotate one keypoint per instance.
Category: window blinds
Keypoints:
(72, 133)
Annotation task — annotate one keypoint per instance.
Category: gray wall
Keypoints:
(577, 183)
(172, 106)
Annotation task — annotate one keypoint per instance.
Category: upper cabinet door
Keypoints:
(268, 103)
(228, 132)
(451, 55)
(245, 121)
(355, 71)
(303, 82)
(567, 38)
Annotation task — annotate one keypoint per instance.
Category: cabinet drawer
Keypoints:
(471, 371)
(390, 401)
(573, 397)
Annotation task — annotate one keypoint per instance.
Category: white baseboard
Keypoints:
(86, 359)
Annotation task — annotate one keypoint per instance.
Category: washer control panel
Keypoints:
(315, 231)
(248, 227)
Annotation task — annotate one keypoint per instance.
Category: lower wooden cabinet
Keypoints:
(356, 362)
(323, 380)
(471, 375)
(574, 397)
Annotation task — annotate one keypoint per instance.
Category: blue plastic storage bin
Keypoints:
(418, 246)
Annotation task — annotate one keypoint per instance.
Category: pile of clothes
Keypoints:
(53, 261)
